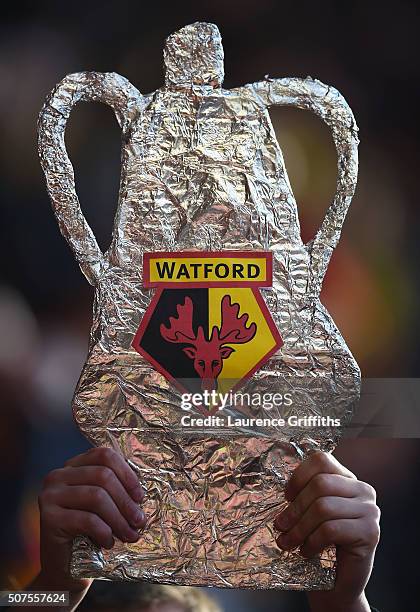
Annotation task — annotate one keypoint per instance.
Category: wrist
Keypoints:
(51, 581)
(77, 589)
(319, 601)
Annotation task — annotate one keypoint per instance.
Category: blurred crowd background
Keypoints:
(367, 50)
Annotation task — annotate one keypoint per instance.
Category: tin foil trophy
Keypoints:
(207, 291)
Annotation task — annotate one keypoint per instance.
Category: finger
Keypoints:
(77, 522)
(116, 462)
(94, 500)
(316, 463)
(322, 485)
(101, 476)
(347, 533)
(323, 509)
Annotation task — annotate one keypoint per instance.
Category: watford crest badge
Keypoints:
(207, 326)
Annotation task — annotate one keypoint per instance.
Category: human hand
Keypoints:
(95, 494)
(328, 505)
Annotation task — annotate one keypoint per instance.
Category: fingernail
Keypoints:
(144, 521)
(110, 543)
(282, 523)
(131, 535)
(284, 541)
(139, 518)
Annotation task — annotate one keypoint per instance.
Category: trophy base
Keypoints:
(287, 571)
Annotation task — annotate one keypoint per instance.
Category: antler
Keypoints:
(233, 328)
(180, 329)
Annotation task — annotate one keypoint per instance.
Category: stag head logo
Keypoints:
(207, 327)
(208, 353)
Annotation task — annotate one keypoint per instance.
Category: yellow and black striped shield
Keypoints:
(207, 326)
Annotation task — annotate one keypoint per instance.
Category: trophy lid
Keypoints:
(194, 56)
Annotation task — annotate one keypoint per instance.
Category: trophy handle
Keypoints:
(329, 104)
(109, 88)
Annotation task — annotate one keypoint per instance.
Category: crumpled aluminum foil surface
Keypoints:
(201, 169)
